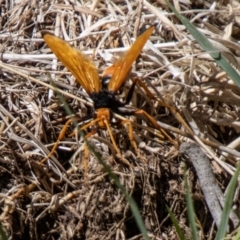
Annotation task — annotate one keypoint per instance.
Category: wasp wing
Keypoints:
(78, 64)
(122, 67)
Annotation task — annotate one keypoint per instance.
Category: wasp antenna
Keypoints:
(144, 28)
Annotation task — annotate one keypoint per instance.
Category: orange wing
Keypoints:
(78, 64)
(122, 67)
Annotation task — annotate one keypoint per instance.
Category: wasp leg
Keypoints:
(95, 121)
(106, 123)
(155, 124)
(125, 161)
(130, 134)
(60, 138)
(173, 110)
(150, 95)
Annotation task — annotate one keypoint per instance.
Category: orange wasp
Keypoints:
(102, 91)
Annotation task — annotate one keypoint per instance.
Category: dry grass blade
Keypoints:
(183, 89)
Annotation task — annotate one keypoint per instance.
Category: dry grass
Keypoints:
(54, 201)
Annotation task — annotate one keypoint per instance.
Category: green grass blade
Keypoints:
(2, 233)
(207, 46)
(222, 231)
(176, 225)
(132, 203)
(190, 211)
(233, 74)
(237, 237)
